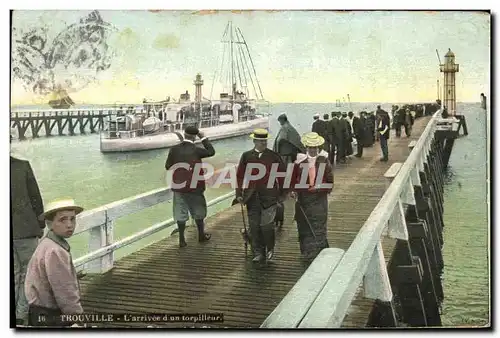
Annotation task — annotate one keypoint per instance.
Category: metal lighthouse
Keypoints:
(449, 68)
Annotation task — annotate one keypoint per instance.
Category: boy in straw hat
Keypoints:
(51, 281)
(261, 196)
(311, 207)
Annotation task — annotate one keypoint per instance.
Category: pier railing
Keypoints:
(322, 296)
(99, 222)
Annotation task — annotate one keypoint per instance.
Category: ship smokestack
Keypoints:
(198, 82)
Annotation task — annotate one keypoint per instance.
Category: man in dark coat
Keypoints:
(326, 136)
(348, 136)
(340, 138)
(189, 197)
(384, 132)
(321, 127)
(25, 206)
(408, 122)
(367, 137)
(287, 142)
(261, 196)
(398, 120)
(371, 124)
(332, 130)
(359, 126)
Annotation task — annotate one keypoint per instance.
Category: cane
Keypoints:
(307, 221)
(244, 231)
(305, 217)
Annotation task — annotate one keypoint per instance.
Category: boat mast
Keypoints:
(232, 61)
(251, 61)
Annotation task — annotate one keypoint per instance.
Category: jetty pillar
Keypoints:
(416, 265)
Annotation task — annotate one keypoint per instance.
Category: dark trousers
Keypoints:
(360, 149)
(407, 130)
(384, 146)
(397, 127)
(331, 154)
(340, 151)
(261, 225)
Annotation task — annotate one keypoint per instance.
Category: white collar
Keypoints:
(189, 141)
(301, 157)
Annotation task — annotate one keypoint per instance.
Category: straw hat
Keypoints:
(312, 140)
(260, 134)
(55, 206)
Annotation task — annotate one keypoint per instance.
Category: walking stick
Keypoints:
(307, 221)
(244, 231)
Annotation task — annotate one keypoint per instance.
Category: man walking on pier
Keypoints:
(320, 126)
(348, 141)
(25, 206)
(287, 142)
(332, 135)
(359, 130)
(384, 131)
(341, 137)
(189, 198)
(372, 128)
(260, 195)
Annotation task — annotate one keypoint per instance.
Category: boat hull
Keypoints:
(167, 140)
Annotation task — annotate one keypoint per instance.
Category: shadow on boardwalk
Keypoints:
(216, 277)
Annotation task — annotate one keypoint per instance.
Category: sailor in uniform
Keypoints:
(261, 198)
(187, 199)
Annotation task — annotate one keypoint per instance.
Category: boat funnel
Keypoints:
(236, 108)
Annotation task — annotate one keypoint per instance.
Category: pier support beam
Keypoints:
(100, 237)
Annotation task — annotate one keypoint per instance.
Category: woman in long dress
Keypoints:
(311, 189)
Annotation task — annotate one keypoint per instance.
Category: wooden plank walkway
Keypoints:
(216, 277)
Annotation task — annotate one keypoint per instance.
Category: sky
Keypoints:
(299, 56)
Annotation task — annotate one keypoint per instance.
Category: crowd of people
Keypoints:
(46, 283)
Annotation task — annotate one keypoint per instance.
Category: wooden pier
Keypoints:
(61, 121)
(382, 269)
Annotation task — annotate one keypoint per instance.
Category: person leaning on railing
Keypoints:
(51, 286)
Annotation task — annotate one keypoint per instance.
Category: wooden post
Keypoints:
(100, 237)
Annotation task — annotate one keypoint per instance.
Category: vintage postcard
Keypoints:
(250, 169)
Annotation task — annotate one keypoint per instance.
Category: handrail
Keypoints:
(364, 260)
(365, 251)
(140, 235)
(99, 223)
